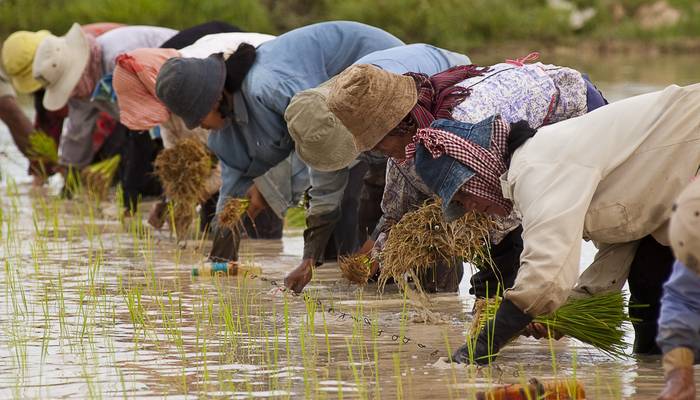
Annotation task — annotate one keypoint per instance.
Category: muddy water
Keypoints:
(91, 307)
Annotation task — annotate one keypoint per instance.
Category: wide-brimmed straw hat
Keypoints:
(18, 57)
(371, 102)
(59, 63)
(320, 138)
(684, 230)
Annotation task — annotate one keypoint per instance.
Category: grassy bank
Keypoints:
(456, 24)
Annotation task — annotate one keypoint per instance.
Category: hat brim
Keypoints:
(338, 151)
(332, 163)
(77, 53)
(404, 98)
(25, 83)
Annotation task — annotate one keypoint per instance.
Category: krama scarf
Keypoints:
(135, 83)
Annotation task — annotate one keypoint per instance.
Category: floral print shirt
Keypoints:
(538, 93)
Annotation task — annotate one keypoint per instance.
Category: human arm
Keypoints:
(75, 148)
(226, 242)
(19, 125)
(553, 219)
(325, 196)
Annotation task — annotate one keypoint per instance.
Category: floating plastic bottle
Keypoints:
(216, 268)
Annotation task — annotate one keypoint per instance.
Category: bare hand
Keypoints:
(257, 204)
(539, 331)
(366, 249)
(679, 385)
(158, 214)
(300, 276)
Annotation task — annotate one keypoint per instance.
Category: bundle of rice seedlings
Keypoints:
(422, 238)
(183, 170)
(356, 268)
(42, 147)
(98, 177)
(597, 320)
(181, 217)
(231, 214)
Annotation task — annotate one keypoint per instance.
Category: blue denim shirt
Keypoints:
(256, 137)
(417, 57)
(679, 322)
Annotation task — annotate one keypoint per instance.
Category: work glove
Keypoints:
(497, 332)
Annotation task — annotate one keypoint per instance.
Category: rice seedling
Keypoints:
(99, 177)
(422, 238)
(42, 149)
(597, 320)
(356, 268)
(183, 170)
(232, 212)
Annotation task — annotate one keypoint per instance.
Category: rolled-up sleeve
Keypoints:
(679, 322)
(553, 200)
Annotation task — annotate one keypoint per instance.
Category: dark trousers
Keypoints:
(347, 237)
(506, 261)
(650, 269)
(371, 199)
(138, 152)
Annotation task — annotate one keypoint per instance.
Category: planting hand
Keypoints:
(257, 204)
(156, 218)
(509, 321)
(300, 276)
(539, 331)
(366, 249)
(679, 385)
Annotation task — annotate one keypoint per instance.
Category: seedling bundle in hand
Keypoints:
(42, 147)
(598, 320)
(231, 214)
(99, 176)
(183, 170)
(423, 238)
(356, 268)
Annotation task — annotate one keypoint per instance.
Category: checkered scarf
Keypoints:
(488, 163)
(437, 96)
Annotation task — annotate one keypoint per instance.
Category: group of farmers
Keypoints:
(366, 128)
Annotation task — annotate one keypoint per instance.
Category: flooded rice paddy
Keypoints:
(95, 307)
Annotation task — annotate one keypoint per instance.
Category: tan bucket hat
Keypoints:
(370, 102)
(59, 63)
(685, 227)
(320, 139)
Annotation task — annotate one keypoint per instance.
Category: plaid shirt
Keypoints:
(488, 163)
